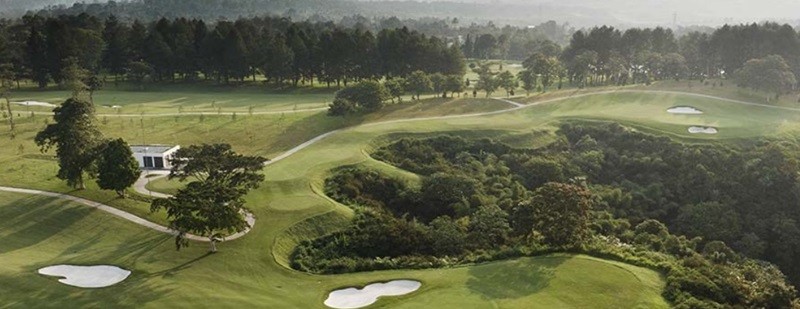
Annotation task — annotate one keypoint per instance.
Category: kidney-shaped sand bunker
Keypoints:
(87, 276)
(684, 110)
(357, 298)
(703, 130)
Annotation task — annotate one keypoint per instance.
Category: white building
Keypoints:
(154, 157)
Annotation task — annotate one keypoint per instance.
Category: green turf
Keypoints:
(289, 207)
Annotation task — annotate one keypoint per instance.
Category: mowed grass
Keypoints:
(64, 233)
(204, 97)
(289, 207)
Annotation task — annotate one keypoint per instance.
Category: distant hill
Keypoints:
(579, 13)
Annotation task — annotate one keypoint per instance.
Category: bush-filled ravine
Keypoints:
(600, 189)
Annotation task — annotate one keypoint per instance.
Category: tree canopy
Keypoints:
(213, 204)
(75, 136)
(117, 169)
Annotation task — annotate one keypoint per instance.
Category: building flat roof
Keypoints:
(154, 149)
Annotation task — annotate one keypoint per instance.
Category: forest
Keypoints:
(285, 52)
(603, 189)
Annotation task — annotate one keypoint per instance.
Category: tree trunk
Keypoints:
(213, 244)
(10, 113)
(81, 184)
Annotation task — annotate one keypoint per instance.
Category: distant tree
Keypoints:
(438, 82)
(93, 83)
(116, 52)
(138, 72)
(75, 136)
(529, 80)
(342, 107)
(418, 82)
(448, 236)
(487, 83)
(583, 66)
(453, 84)
(35, 55)
(562, 213)
(74, 77)
(674, 66)
(489, 227)
(771, 73)
(446, 194)
(508, 82)
(278, 65)
(117, 169)
(6, 84)
(485, 46)
(367, 95)
(396, 88)
(704, 220)
(544, 67)
(214, 202)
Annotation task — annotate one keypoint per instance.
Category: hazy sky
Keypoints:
(615, 12)
(708, 12)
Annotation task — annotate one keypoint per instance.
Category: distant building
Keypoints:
(154, 157)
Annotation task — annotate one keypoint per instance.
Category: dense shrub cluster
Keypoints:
(599, 189)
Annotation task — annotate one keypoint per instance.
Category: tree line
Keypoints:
(284, 52)
(763, 57)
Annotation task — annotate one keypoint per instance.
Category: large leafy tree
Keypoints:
(770, 73)
(544, 67)
(367, 95)
(489, 227)
(396, 88)
(454, 84)
(213, 203)
(117, 169)
(508, 82)
(418, 82)
(529, 80)
(36, 51)
(75, 136)
(487, 83)
(562, 213)
(6, 84)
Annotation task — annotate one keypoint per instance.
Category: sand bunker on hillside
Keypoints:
(685, 110)
(357, 298)
(87, 276)
(703, 130)
(34, 103)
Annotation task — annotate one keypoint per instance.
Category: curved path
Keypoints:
(140, 185)
(242, 113)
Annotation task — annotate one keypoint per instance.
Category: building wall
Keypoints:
(166, 156)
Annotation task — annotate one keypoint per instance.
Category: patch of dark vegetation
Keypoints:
(600, 189)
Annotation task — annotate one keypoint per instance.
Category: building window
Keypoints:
(148, 162)
(159, 162)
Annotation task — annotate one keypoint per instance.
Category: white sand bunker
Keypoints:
(87, 276)
(358, 298)
(703, 130)
(34, 103)
(685, 110)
